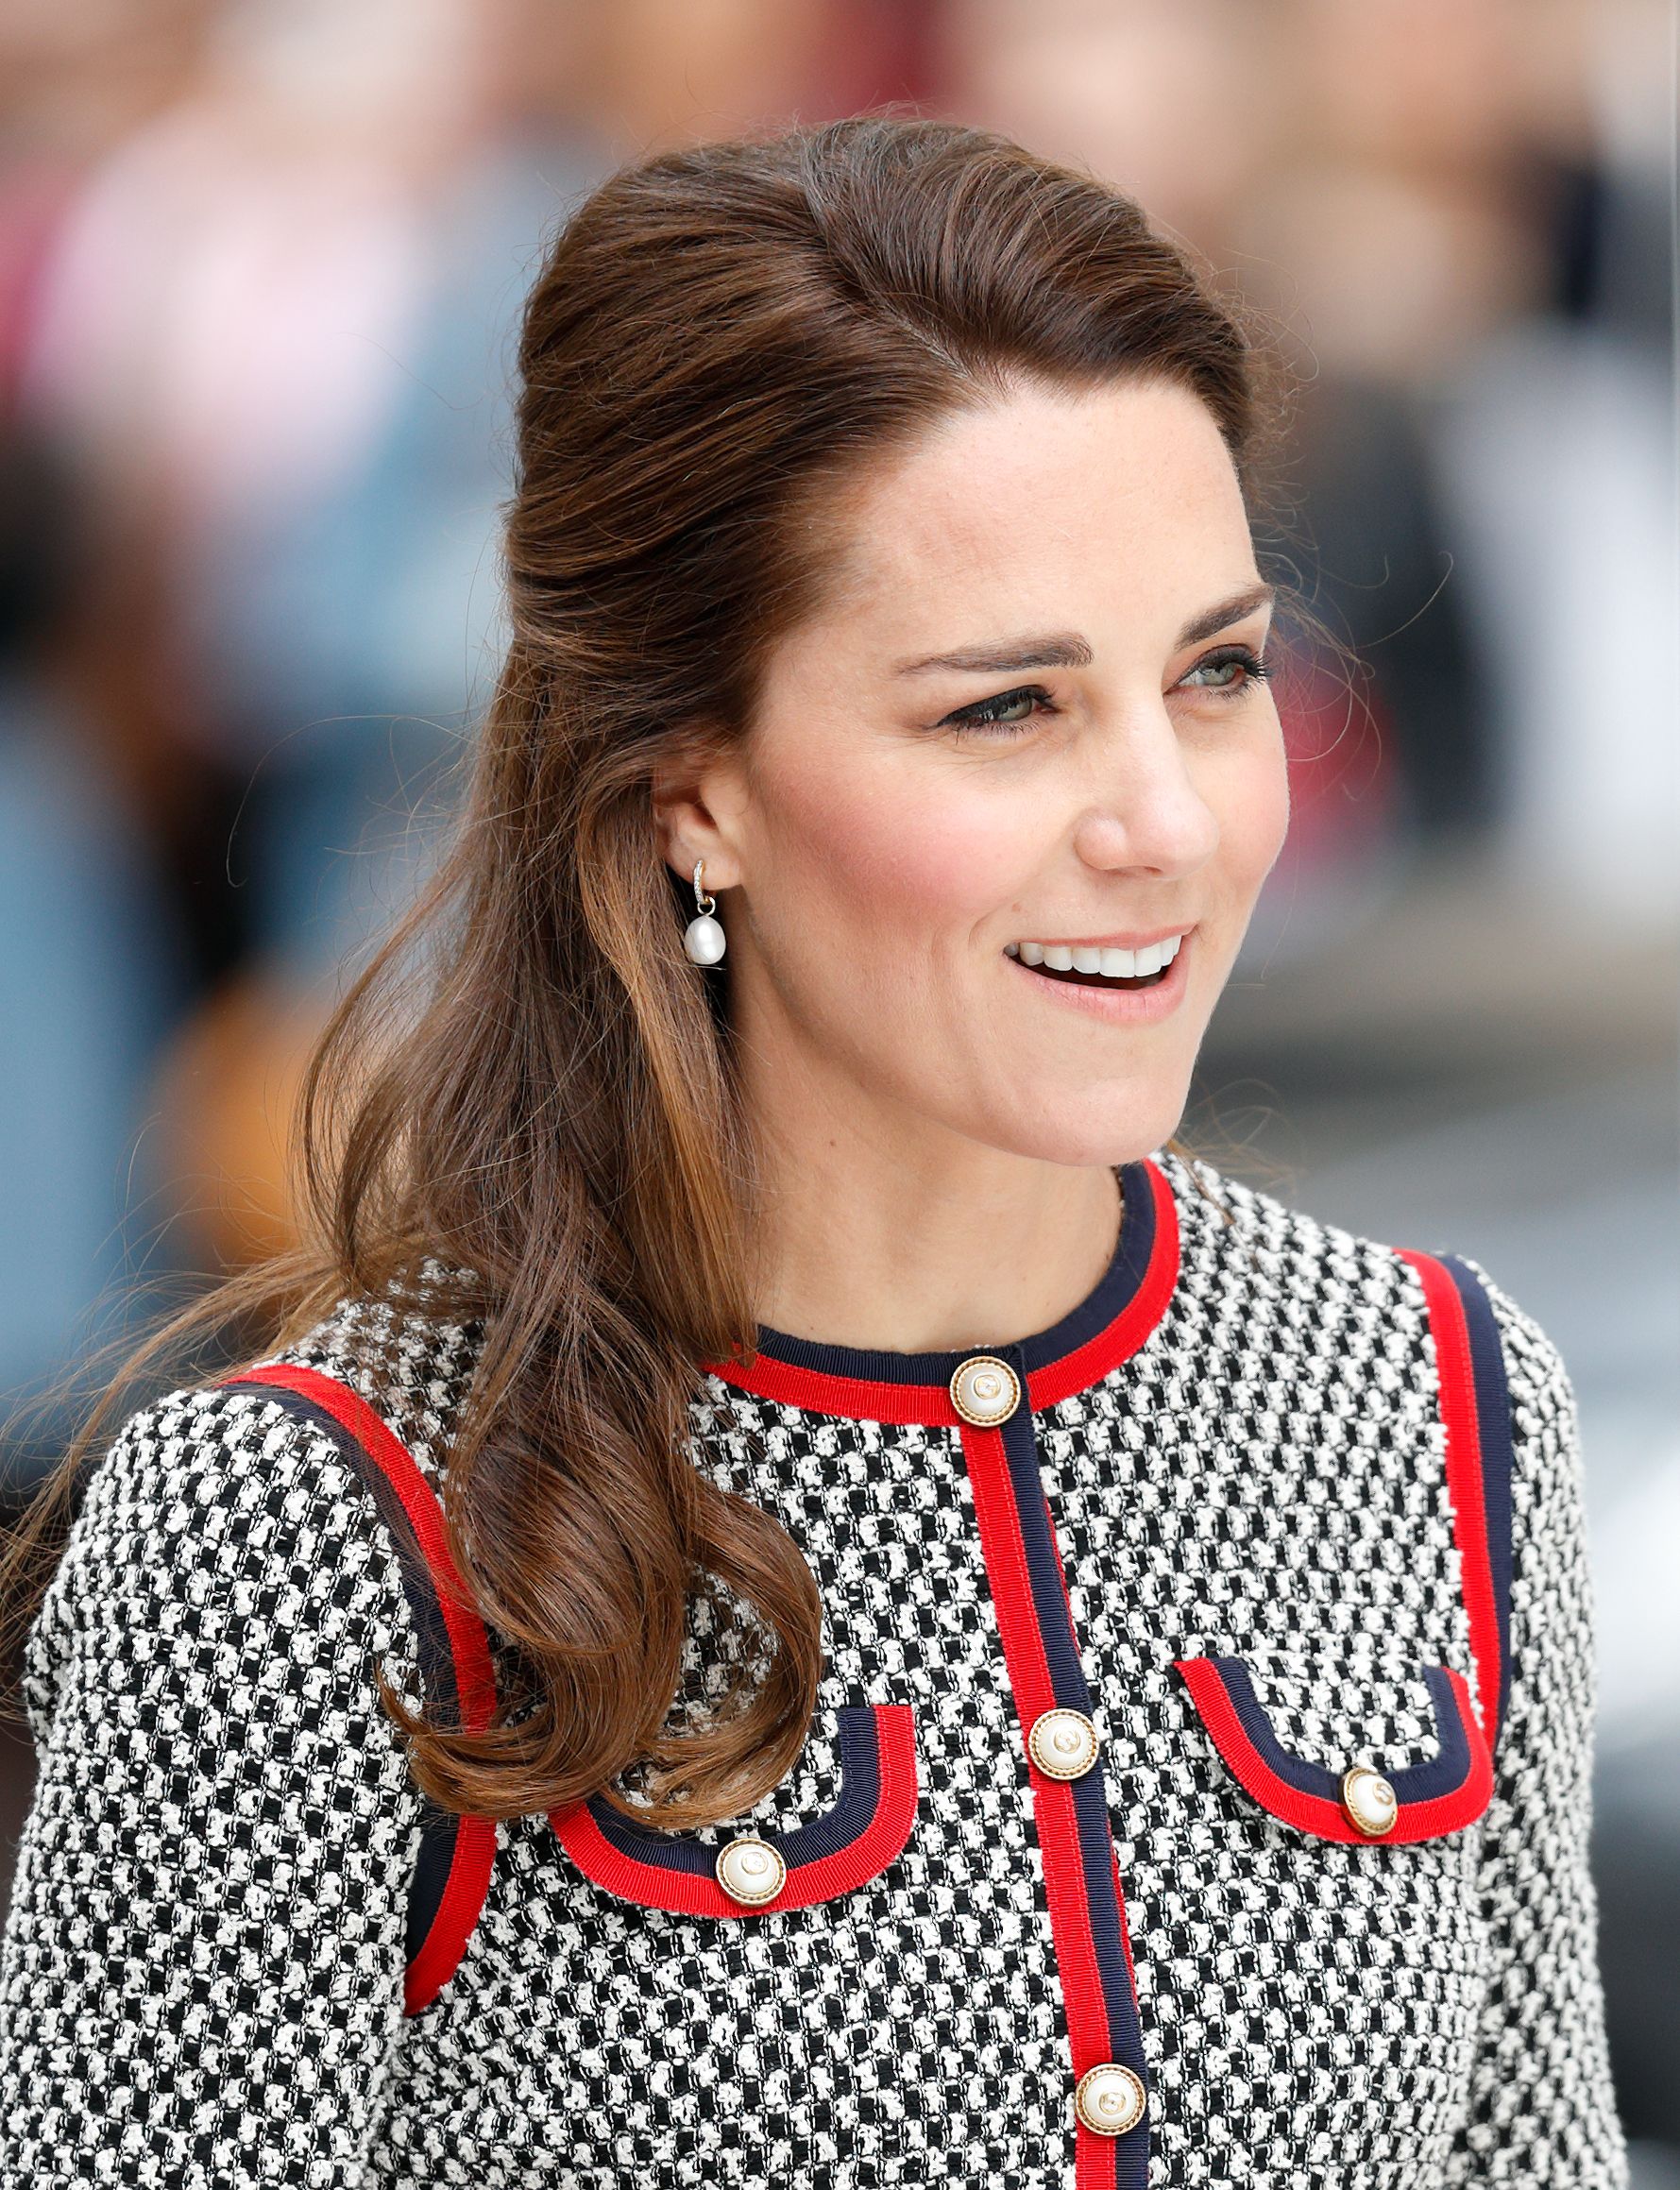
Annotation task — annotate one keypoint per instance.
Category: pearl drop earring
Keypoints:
(704, 938)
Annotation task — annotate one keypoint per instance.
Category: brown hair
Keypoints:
(719, 337)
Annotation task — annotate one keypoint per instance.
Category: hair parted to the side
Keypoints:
(717, 339)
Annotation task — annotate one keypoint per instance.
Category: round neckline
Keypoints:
(1069, 1355)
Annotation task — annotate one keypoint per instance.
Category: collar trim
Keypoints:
(1107, 1326)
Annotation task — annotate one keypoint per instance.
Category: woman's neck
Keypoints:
(926, 1248)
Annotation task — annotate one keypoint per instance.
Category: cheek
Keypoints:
(887, 855)
(1253, 798)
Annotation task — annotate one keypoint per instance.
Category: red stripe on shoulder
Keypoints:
(474, 1850)
(1465, 1484)
(468, 1643)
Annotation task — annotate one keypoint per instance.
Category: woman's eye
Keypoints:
(1008, 711)
(1254, 667)
(1004, 711)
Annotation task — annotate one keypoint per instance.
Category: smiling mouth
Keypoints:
(1091, 966)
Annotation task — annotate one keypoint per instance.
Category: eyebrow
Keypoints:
(1068, 649)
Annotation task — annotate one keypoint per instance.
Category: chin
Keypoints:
(1079, 1132)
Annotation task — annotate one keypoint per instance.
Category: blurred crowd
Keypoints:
(262, 264)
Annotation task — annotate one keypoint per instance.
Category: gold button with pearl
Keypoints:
(750, 1869)
(1109, 2099)
(1369, 1801)
(985, 1391)
(1062, 1742)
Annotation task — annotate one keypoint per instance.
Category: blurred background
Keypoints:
(261, 266)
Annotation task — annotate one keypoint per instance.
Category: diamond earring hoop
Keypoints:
(703, 939)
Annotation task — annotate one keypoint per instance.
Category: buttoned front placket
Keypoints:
(1070, 1800)
(992, 1398)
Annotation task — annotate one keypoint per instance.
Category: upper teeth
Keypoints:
(1087, 958)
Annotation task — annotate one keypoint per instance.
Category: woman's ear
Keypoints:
(698, 804)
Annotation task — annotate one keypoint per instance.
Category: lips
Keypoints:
(1112, 999)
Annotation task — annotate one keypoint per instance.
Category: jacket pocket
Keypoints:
(753, 1871)
(1385, 1753)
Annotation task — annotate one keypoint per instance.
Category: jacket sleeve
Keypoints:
(1542, 2111)
(201, 1974)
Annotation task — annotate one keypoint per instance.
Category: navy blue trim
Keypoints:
(846, 1821)
(1493, 1428)
(1113, 1291)
(1049, 1605)
(433, 1860)
(1443, 1774)
(1127, 1270)
(1089, 1792)
(438, 1828)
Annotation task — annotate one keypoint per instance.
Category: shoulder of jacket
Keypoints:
(1315, 1268)
(1534, 1361)
(202, 1447)
(209, 1478)
(213, 1508)
(406, 1355)
(1547, 1459)
(1234, 1232)
(408, 1361)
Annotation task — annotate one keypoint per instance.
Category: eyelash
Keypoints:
(974, 717)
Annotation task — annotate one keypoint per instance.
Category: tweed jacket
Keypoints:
(1196, 1792)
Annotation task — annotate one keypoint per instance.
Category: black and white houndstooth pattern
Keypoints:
(203, 1960)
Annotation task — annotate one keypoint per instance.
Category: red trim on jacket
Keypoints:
(1090, 2040)
(698, 1892)
(474, 1850)
(840, 1395)
(1417, 1821)
(929, 1404)
(1466, 1486)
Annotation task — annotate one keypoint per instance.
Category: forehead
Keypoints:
(1044, 500)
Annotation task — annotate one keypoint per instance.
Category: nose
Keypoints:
(1141, 809)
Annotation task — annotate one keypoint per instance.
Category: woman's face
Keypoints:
(1027, 717)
